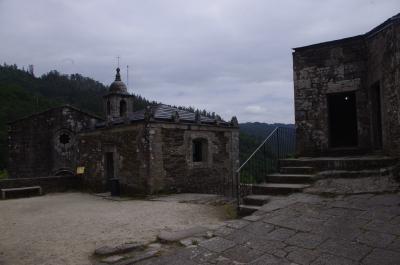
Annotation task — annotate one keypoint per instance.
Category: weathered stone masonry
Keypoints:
(126, 145)
(43, 144)
(358, 64)
(157, 156)
(158, 149)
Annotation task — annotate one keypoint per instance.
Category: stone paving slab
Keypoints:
(217, 244)
(375, 239)
(306, 240)
(173, 236)
(301, 255)
(305, 229)
(381, 256)
(346, 249)
(242, 254)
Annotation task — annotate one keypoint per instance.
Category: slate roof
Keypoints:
(165, 113)
(377, 29)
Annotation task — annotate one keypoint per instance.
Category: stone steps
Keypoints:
(297, 170)
(340, 163)
(298, 174)
(256, 200)
(277, 188)
(245, 209)
(289, 178)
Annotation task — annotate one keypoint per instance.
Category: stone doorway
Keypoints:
(110, 169)
(342, 113)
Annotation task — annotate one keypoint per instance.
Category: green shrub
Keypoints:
(230, 211)
(3, 174)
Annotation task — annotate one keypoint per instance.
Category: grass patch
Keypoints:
(230, 211)
(3, 174)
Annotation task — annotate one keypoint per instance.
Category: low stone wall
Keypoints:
(48, 184)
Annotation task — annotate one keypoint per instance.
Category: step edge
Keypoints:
(250, 206)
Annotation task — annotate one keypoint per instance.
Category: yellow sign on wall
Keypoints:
(80, 170)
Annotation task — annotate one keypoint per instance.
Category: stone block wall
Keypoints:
(173, 168)
(357, 64)
(319, 71)
(384, 69)
(34, 142)
(157, 157)
(48, 184)
(128, 143)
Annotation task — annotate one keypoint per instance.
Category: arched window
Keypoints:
(199, 150)
(108, 107)
(122, 108)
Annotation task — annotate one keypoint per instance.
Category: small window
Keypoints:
(122, 108)
(64, 139)
(199, 150)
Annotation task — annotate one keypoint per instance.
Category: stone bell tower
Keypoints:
(118, 103)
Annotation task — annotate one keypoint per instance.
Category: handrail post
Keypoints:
(238, 189)
(278, 146)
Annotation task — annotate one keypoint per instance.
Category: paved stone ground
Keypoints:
(304, 229)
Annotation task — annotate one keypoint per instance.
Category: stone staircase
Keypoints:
(290, 179)
(297, 174)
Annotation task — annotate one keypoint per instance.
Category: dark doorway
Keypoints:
(376, 115)
(199, 150)
(342, 120)
(109, 168)
(122, 108)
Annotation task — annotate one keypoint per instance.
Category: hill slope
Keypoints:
(22, 94)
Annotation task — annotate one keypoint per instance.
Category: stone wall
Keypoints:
(35, 149)
(172, 163)
(157, 157)
(112, 105)
(352, 64)
(384, 69)
(318, 71)
(128, 143)
(48, 184)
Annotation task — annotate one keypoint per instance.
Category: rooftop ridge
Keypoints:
(368, 34)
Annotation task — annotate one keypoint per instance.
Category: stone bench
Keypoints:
(22, 189)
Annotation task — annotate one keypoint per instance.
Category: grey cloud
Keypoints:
(225, 56)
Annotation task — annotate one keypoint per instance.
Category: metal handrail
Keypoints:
(258, 148)
(264, 160)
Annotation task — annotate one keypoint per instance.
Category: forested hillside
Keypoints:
(252, 135)
(261, 130)
(77, 90)
(22, 94)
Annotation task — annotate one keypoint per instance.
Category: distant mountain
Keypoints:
(252, 134)
(261, 130)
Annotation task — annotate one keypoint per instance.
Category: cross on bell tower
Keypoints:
(118, 102)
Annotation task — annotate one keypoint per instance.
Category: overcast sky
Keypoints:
(229, 56)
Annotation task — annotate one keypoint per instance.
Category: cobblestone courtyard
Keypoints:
(304, 229)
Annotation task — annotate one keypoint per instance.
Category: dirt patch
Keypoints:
(66, 228)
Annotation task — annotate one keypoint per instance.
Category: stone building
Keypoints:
(44, 144)
(347, 93)
(157, 149)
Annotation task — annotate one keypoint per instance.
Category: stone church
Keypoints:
(347, 94)
(157, 149)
